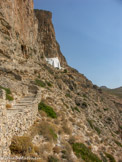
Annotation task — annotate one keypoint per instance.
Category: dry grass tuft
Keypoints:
(22, 145)
(8, 106)
(47, 130)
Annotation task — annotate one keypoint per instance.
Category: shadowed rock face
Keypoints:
(18, 28)
(48, 45)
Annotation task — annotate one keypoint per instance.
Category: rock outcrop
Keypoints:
(26, 34)
(48, 46)
(18, 29)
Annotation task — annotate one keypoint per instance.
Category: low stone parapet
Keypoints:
(16, 120)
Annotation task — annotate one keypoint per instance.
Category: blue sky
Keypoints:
(90, 36)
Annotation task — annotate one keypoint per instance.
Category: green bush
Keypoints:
(68, 95)
(52, 159)
(90, 123)
(118, 143)
(85, 153)
(104, 159)
(97, 130)
(53, 134)
(75, 109)
(65, 71)
(8, 93)
(40, 83)
(9, 98)
(105, 109)
(48, 109)
(93, 126)
(84, 105)
(110, 157)
(49, 84)
(84, 95)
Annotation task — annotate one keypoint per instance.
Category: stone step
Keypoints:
(29, 97)
(24, 102)
(19, 107)
(27, 100)
(20, 104)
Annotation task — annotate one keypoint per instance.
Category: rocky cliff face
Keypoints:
(48, 45)
(26, 36)
(75, 121)
(18, 29)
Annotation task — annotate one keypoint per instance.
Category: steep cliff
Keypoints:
(48, 45)
(23, 36)
(18, 29)
(71, 120)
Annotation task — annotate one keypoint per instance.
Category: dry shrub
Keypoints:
(56, 149)
(79, 124)
(34, 129)
(72, 119)
(72, 140)
(47, 147)
(44, 150)
(8, 106)
(37, 149)
(43, 114)
(46, 129)
(66, 129)
(66, 152)
(68, 148)
(53, 158)
(56, 121)
(49, 120)
(21, 145)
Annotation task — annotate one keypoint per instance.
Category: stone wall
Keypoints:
(3, 125)
(16, 120)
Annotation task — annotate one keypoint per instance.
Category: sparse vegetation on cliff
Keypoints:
(85, 153)
(40, 83)
(21, 145)
(48, 109)
(110, 157)
(8, 93)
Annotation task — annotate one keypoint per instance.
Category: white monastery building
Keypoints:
(54, 62)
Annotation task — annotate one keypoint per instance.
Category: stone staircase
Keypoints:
(24, 102)
(17, 120)
(20, 105)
